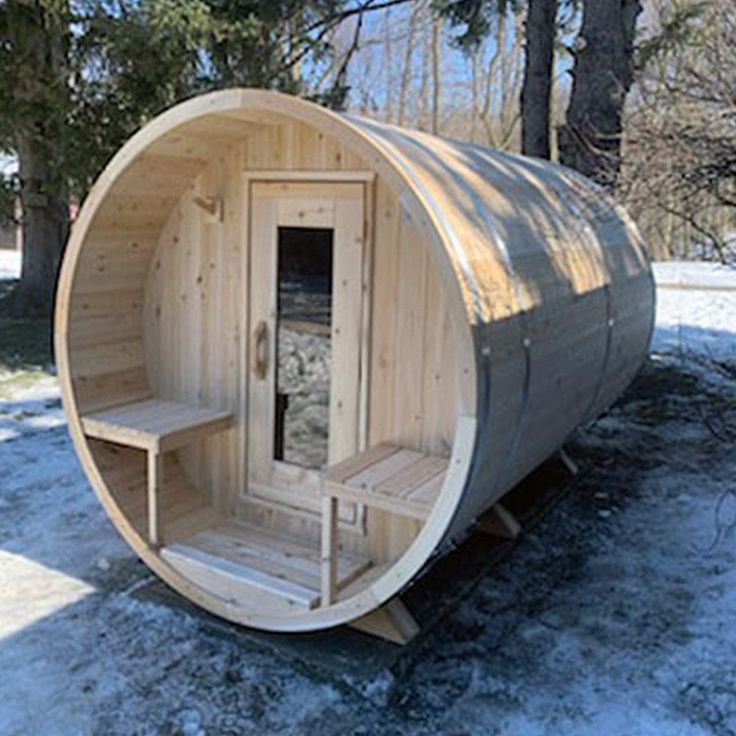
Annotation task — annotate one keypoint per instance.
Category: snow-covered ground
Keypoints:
(10, 261)
(614, 615)
(696, 304)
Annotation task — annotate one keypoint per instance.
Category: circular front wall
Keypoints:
(99, 315)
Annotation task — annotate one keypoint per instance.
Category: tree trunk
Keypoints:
(590, 139)
(407, 69)
(389, 70)
(39, 32)
(436, 27)
(45, 219)
(538, 69)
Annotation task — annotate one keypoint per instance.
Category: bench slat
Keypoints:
(389, 478)
(155, 424)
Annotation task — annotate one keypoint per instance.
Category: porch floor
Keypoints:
(244, 561)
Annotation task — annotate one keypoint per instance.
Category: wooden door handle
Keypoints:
(260, 351)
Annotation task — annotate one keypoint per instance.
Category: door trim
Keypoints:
(284, 498)
(307, 175)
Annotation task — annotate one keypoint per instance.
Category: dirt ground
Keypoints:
(615, 614)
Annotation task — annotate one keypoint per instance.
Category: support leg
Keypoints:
(500, 522)
(155, 484)
(569, 463)
(329, 549)
(392, 621)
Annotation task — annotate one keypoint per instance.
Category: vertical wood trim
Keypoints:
(347, 291)
(409, 358)
(330, 549)
(155, 486)
(244, 339)
(383, 310)
(262, 297)
(366, 328)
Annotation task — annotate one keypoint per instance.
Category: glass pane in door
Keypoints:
(303, 323)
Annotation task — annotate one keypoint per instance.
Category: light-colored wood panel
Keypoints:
(384, 305)
(101, 304)
(265, 561)
(98, 392)
(100, 360)
(155, 425)
(348, 302)
(88, 331)
(132, 212)
(409, 359)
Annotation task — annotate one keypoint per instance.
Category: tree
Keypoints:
(536, 93)
(476, 18)
(679, 173)
(79, 78)
(35, 100)
(603, 71)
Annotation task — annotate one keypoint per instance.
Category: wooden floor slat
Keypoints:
(266, 561)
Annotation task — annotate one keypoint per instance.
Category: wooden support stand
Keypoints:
(499, 522)
(392, 621)
(569, 463)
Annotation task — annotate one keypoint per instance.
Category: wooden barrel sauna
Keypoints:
(302, 352)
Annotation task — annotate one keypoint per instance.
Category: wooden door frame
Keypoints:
(354, 521)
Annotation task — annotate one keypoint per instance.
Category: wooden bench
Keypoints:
(156, 426)
(385, 477)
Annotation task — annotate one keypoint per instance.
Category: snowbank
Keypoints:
(694, 275)
(696, 309)
(9, 264)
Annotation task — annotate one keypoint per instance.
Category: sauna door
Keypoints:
(306, 312)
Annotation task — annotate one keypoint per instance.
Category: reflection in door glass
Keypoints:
(303, 321)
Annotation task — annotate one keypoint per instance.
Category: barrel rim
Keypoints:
(399, 573)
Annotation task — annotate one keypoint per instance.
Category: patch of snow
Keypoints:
(27, 408)
(700, 318)
(10, 262)
(694, 274)
(32, 591)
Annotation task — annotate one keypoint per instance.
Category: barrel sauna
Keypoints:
(302, 352)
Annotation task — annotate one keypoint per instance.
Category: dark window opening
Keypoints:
(303, 323)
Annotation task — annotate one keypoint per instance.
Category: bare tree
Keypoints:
(679, 174)
(388, 67)
(536, 93)
(590, 139)
(436, 60)
(406, 71)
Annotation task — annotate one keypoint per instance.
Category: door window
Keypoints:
(303, 346)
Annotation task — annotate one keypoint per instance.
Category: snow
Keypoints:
(10, 261)
(692, 274)
(613, 615)
(696, 308)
